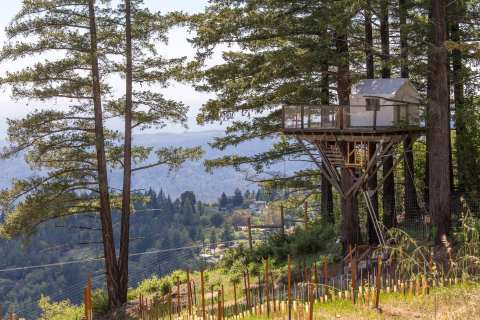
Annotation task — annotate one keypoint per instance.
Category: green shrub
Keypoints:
(100, 302)
(319, 238)
(154, 285)
(162, 286)
(62, 310)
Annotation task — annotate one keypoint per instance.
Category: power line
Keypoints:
(88, 260)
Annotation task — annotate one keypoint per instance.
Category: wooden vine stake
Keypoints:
(247, 301)
(170, 304)
(310, 298)
(289, 292)
(219, 305)
(378, 281)
(273, 293)
(223, 303)
(87, 298)
(178, 296)
(235, 296)
(189, 294)
(202, 282)
(267, 291)
(353, 265)
(249, 291)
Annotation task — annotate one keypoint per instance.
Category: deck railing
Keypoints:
(335, 117)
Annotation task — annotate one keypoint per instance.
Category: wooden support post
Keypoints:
(249, 292)
(223, 303)
(189, 293)
(267, 291)
(250, 241)
(219, 305)
(273, 293)
(85, 303)
(282, 220)
(325, 273)
(353, 265)
(170, 304)
(235, 296)
(289, 292)
(87, 298)
(178, 296)
(311, 299)
(211, 301)
(378, 281)
(202, 283)
(247, 302)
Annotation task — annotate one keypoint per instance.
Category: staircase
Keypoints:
(334, 155)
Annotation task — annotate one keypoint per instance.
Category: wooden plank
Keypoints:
(202, 280)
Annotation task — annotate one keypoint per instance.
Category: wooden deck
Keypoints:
(356, 134)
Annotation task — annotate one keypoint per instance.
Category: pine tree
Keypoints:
(72, 146)
(237, 200)
(223, 202)
(438, 118)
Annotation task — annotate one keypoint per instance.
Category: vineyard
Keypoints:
(308, 291)
(367, 283)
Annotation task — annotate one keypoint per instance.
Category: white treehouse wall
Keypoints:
(361, 117)
(393, 94)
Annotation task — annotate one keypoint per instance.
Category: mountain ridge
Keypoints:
(191, 176)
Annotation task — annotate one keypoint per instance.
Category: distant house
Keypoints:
(257, 206)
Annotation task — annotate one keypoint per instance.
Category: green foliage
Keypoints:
(62, 310)
(161, 285)
(55, 37)
(318, 239)
(154, 285)
(164, 228)
(100, 302)
(467, 242)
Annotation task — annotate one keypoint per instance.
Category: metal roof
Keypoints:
(381, 87)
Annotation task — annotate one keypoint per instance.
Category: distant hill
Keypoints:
(192, 175)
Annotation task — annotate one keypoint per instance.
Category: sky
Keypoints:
(178, 46)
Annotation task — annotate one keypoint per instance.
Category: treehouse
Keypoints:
(382, 113)
(377, 107)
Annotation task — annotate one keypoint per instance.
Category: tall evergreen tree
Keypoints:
(438, 117)
(74, 47)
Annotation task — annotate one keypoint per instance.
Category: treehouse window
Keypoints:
(373, 104)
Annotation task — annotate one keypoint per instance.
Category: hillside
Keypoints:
(192, 175)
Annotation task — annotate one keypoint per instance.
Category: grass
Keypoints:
(456, 302)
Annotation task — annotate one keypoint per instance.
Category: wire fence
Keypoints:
(142, 265)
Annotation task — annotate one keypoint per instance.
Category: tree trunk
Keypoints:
(111, 266)
(410, 199)
(326, 187)
(127, 160)
(438, 114)
(327, 201)
(464, 157)
(389, 182)
(372, 179)
(350, 223)
(369, 41)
